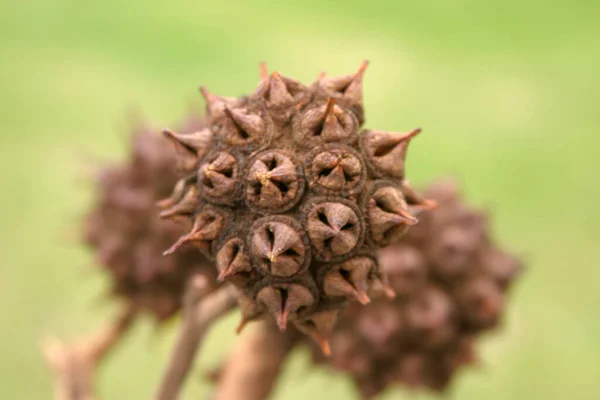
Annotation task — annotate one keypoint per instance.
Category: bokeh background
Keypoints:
(507, 93)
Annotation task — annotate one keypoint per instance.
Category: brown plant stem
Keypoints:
(74, 365)
(199, 312)
(254, 365)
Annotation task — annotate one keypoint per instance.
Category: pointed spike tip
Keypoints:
(264, 71)
(363, 67)
(282, 320)
(325, 347)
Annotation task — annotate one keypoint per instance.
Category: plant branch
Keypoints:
(74, 365)
(252, 369)
(199, 312)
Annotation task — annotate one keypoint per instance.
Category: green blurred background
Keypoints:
(507, 93)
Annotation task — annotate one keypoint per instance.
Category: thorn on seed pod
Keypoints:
(285, 301)
(334, 228)
(232, 259)
(246, 127)
(278, 248)
(348, 87)
(387, 150)
(218, 177)
(350, 279)
(274, 182)
(250, 311)
(185, 207)
(264, 71)
(207, 226)
(388, 213)
(215, 105)
(325, 123)
(319, 326)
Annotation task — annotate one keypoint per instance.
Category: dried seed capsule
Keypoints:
(185, 207)
(452, 252)
(287, 153)
(274, 182)
(319, 327)
(190, 147)
(278, 246)
(380, 326)
(347, 354)
(325, 123)
(281, 94)
(429, 318)
(500, 266)
(218, 178)
(215, 105)
(241, 127)
(233, 262)
(388, 214)
(347, 89)
(423, 336)
(336, 169)
(350, 279)
(481, 302)
(286, 301)
(208, 225)
(335, 228)
(404, 268)
(128, 237)
(386, 151)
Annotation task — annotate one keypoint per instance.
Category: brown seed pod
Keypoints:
(387, 213)
(274, 182)
(424, 335)
(207, 226)
(233, 260)
(278, 246)
(126, 234)
(335, 169)
(286, 166)
(429, 316)
(218, 178)
(404, 268)
(325, 123)
(283, 96)
(386, 151)
(380, 326)
(335, 228)
(350, 278)
(346, 89)
(286, 301)
(480, 301)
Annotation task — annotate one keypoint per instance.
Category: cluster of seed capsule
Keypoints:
(291, 198)
(450, 282)
(127, 236)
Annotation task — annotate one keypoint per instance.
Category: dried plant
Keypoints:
(126, 234)
(451, 282)
(309, 221)
(291, 200)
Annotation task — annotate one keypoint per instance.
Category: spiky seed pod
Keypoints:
(427, 332)
(304, 195)
(126, 234)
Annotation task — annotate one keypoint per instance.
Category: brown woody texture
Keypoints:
(126, 234)
(290, 197)
(451, 281)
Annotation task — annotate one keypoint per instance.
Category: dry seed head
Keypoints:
(424, 335)
(126, 234)
(305, 196)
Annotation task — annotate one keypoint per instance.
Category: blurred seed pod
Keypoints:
(127, 236)
(451, 283)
